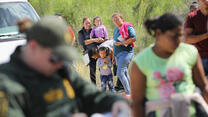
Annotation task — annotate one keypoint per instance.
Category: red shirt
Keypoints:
(70, 30)
(198, 22)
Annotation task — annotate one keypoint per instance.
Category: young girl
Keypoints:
(105, 64)
(99, 30)
(166, 67)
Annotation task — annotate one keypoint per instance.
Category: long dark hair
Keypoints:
(92, 51)
(167, 21)
(97, 17)
(119, 15)
(85, 18)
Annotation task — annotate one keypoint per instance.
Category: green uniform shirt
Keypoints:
(27, 93)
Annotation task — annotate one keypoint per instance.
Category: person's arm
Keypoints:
(79, 115)
(14, 101)
(121, 109)
(10, 106)
(138, 84)
(84, 42)
(188, 30)
(109, 62)
(92, 33)
(92, 40)
(88, 94)
(189, 38)
(73, 40)
(105, 33)
(100, 63)
(129, 41)
(110, 55)
(89, 41)
(126, 42)
(200, 79)
(113, 60)
(72, 35)
(81, 39)
(101, 40)
(132, 35)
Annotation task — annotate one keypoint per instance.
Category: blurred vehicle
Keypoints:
(10, 12)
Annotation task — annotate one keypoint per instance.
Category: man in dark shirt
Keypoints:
(196, 31)
(37, 82)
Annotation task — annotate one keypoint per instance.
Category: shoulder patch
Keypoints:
(3, 104)
(69, 89)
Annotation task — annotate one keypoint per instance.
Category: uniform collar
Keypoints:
(23, 67)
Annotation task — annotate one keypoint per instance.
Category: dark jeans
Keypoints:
(205, 65)
(118, 83)
(92, 66)
(107, 80)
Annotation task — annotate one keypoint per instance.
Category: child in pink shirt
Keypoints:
(99, 30)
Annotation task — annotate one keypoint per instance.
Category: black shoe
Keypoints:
(118, 89)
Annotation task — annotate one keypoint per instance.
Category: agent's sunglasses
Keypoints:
(54, 59)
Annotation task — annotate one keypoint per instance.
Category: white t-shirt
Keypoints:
(108, 43)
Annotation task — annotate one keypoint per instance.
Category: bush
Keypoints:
(134, 11)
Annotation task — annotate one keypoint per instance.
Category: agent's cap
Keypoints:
(52, 32)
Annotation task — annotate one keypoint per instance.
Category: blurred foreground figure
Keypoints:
(165, 68)
(37, 82)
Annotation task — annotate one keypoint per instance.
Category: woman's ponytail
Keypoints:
(167, 21)
(150, 25)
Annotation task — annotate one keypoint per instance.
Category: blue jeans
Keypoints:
(122, 60)
(205, 65)
(107, 80)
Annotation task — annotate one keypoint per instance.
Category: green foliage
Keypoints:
(134, 11)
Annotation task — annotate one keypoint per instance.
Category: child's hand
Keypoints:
(126, 43)
(106, 61)
(118, 43)
(95, 40)
(79, 115)
(100, 40)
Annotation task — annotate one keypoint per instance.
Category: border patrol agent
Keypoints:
(31, 86)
